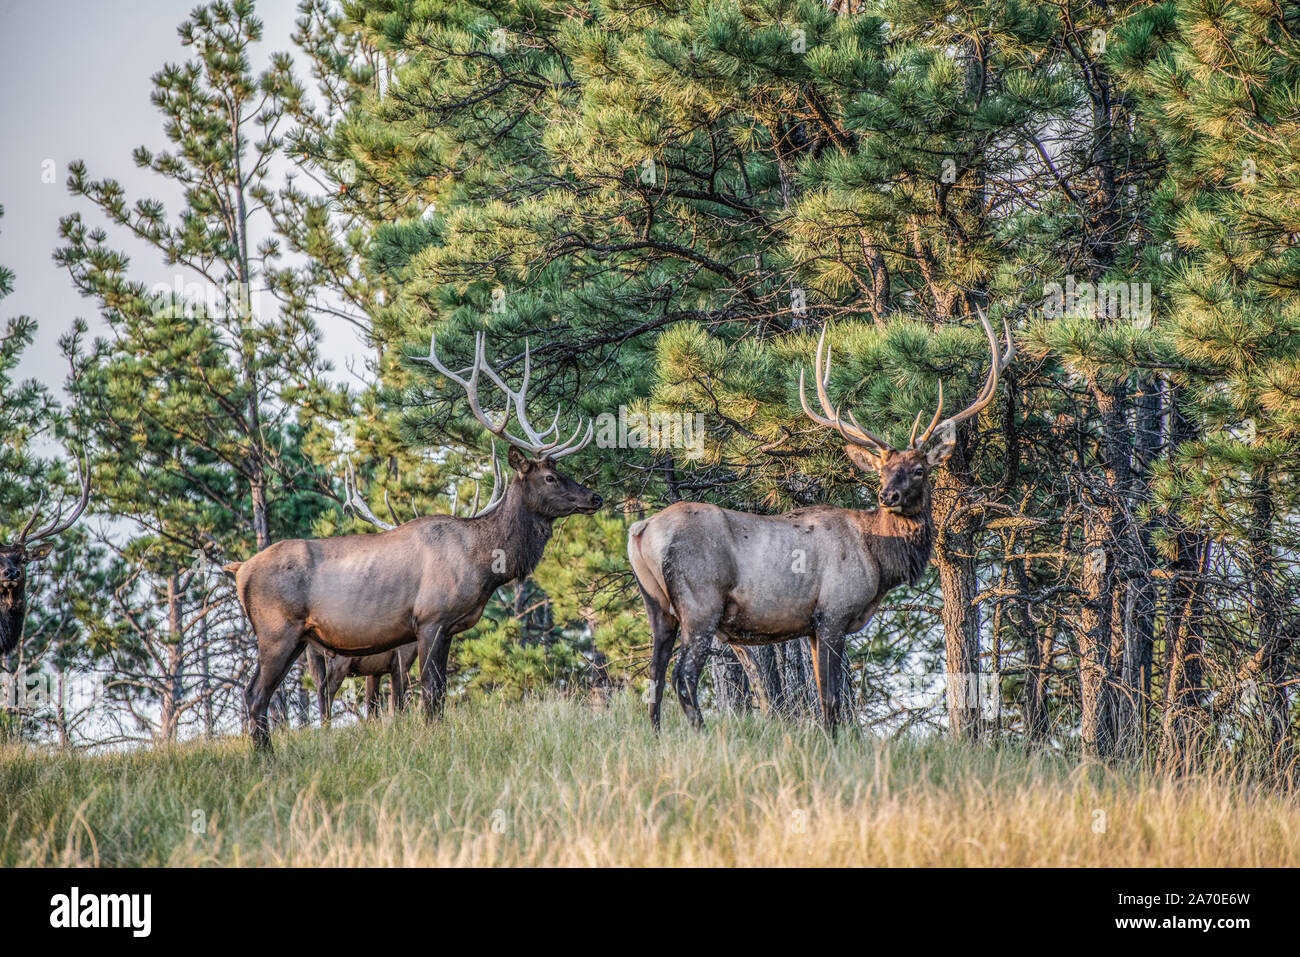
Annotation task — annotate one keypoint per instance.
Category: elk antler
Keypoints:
(534, 443)
(854, 434)
(352, 498)
(998, 366)
(58, 523)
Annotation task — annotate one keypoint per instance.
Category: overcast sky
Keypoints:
(75, 84)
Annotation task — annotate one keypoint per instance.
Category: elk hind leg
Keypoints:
(686, 679)
(664, 628)
(276, 654)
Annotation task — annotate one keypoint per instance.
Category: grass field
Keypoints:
(553, 782)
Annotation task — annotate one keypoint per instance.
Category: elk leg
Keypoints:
(319, 676)
(372, 696)
(435, 644)
(828, 662)
(401, 687)
(686, 679)
(664, 630)
(275, 657)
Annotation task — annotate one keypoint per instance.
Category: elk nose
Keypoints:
(596, 501)
(890, 497)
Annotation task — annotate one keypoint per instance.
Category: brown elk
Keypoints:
(817, 572)
(328, 672)
(424, 581)
(31, 546)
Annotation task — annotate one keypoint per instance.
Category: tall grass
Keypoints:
(556, 782)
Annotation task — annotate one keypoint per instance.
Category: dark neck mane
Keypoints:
(13, 608)
(902, 545)
(519, 532)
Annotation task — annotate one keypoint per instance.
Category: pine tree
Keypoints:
(205, 396)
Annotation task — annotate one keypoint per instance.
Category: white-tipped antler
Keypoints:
(854, 434)
(58, 523)
(353, 500)
(857, 435)
(534, 443)
(998, 366)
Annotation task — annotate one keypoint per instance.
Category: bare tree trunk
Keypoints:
(172, 690)
(1183, 672)
(731, 689)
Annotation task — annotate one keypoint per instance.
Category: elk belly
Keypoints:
(360, 622)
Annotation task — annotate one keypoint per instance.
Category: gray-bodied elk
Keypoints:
(426, 580)
(817, 572)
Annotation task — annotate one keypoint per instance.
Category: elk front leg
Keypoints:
(435, 644)
(316, 667)
(401, 686)
(372, 696)
(828, 663)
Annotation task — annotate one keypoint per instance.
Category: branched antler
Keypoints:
(534, 443)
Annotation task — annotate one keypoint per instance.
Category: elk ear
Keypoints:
(945, 447)
(518, 461)
(864, 459)
(37, 552)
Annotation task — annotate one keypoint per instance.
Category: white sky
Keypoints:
(75, 84)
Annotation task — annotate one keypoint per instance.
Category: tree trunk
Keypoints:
(172, 690)
(953, 554)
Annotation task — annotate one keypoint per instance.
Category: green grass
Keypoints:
(559, 782)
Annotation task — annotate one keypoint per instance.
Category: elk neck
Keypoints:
(13, 608)
(900, 543)
(519, 532)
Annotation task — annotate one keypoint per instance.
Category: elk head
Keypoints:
(31, 546)
(904, 474)
(540, 487)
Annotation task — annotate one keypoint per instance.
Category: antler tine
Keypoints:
(519, 399)
(36, 514)
(352, 499)
(470, 386)
(392, 512)
(568, 447)
(855, 434)
(997, 366)
(58, 524)
(534, 442)
(497, 481)
(929, 429)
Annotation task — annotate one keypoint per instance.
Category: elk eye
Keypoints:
(550, 478)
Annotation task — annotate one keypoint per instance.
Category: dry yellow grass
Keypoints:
(554, 782)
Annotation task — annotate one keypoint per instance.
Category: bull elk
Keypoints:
(424, 581)
(816, 573)
(328, 672)
(31, 546)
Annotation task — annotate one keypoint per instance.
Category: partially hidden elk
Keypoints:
(329, 671)
(32, 545)
(426, 580)
(818, 573)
